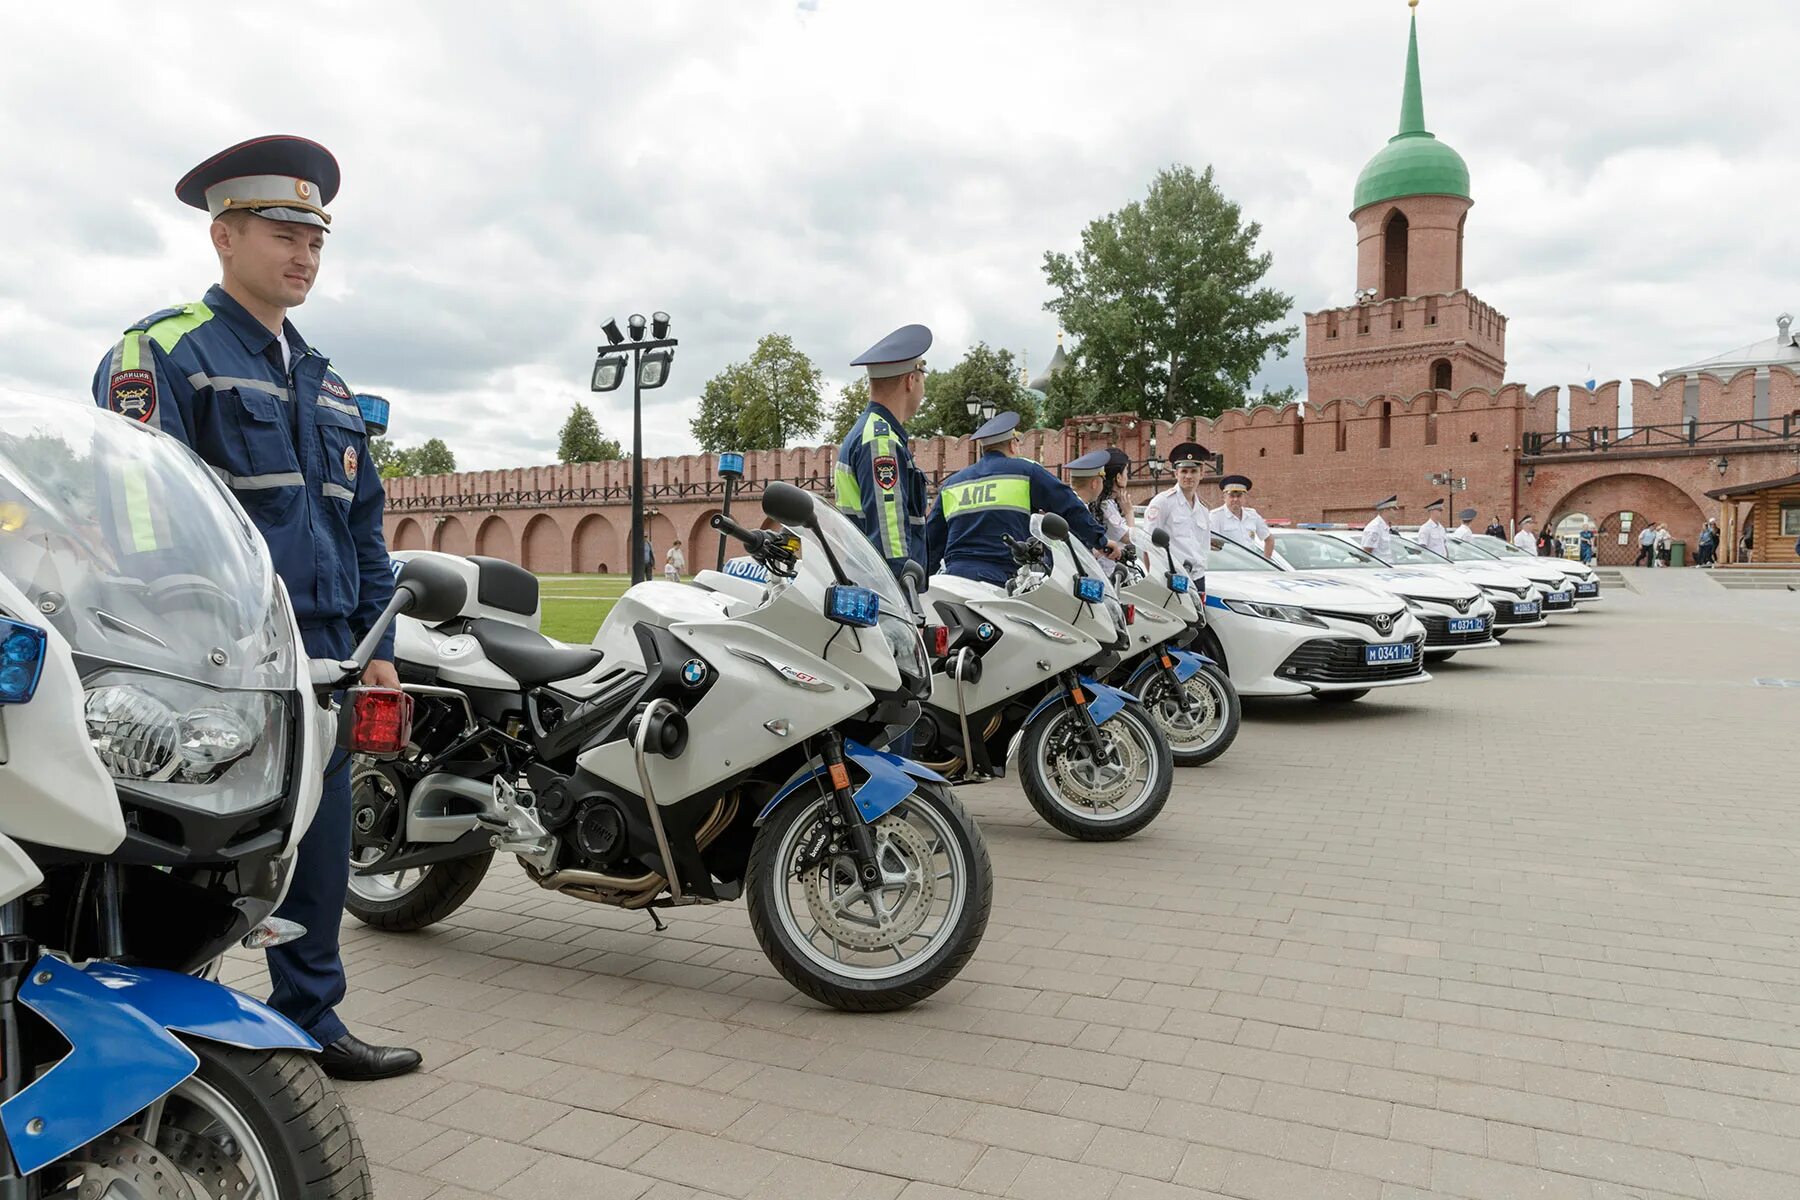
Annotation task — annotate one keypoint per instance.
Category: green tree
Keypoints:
(985, 373)
(433, 458)
(763, 403)
(1071, 392)
(387, 457)
(1166, 302)
(853, 397)
(581, 441)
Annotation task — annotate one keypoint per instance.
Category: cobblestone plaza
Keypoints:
(1532, 929)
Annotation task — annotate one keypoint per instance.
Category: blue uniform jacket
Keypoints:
(878, 487)
(291, 447)
(995, 497)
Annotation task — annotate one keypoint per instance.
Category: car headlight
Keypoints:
(1504, 593)
(1274, 612)
(217, 751)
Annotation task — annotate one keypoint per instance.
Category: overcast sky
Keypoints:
(830, 169)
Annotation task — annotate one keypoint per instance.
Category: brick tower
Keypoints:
(1414, 326)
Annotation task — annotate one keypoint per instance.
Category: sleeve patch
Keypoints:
(1152, 512)
(335, 387)
(887, 471)
(132, 394)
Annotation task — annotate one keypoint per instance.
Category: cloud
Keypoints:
(514, 176)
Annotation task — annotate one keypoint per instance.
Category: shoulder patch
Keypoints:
(1151, 512)
(887, 471)
(335, 387)
(132, 394)
(881, 427)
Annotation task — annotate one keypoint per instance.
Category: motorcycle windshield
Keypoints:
(127, 543)
(1085, 562)
(856, 554)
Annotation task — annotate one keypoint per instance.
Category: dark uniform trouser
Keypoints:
(308, 973)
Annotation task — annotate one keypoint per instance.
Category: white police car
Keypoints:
(1558, 588)
(1518, 602)
(1581, 577)
(1453, 610)
(1283, 633)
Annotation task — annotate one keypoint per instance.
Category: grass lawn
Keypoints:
(574, 605)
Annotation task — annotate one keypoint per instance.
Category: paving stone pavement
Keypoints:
(1530, 930)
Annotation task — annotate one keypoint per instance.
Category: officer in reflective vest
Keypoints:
(992, 499)
(231, 377)
(875, 481)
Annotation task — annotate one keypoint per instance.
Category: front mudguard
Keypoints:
(891, 779)
(120, 1023)
(1102, 707)
(1187, 665)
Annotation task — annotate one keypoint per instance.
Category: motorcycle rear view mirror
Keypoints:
(1159, 538)
(788, 504)
(912, 581)
(435, 591)
(1054, 527)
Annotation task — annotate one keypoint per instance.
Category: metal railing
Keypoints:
(1599, 439)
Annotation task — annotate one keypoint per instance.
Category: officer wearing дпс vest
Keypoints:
(232, 378)
(992, 499)
(1377, 536)
(1184, 515)
(876, 483)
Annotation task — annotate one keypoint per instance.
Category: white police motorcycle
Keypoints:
(1017, 671)
(162, 737)
(708, 745)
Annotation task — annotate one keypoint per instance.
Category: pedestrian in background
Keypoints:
(1664, 541)
(1587, 547)
(675, 563)
(1495, 529)
(1646, 555)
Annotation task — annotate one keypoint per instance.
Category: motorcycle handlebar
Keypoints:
(753, 538)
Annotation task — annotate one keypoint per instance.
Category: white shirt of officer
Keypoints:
(1526, 540)
(1376, 538)
(1462, 531)
(1190, 532)
(1249, 530)
(1431, 535)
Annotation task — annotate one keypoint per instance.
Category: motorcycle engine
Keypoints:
(599, 832)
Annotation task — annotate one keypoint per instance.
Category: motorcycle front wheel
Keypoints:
(876, 948)
(1095, 798)
(1210, 724)
(262, 1123)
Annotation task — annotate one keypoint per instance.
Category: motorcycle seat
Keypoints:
(527, 656)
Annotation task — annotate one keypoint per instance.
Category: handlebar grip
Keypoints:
(750, 537)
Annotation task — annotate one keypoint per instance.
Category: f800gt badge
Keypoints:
(693, 672)
(793, 675)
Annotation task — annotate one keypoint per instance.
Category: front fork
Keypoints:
(1088, 731)
(1165, 666)
(844, 814)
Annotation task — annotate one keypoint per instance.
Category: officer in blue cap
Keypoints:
(993, 498)
(877, 485)
(230, 376)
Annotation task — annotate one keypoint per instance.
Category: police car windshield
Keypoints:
(1403, 553)
(129, 545)
(1229, 556)
(1499, 547)
(1316, 552)
(1460, 550)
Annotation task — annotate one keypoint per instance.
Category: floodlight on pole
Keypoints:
(649, 363)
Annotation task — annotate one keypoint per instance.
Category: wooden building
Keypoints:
(1771, 510)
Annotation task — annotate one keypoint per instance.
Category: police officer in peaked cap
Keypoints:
(1431, 533)
(230, 376)
(1088, 475)
(876, 484)
(992, 499)
(1377, 536)
(1237, 522)
(1464, 529)
(1181, 512)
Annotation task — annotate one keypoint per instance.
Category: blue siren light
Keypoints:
(1091, 590)
(1178, 583)
(849, 605)
(374, 413)
(731, 463)
(22, 649)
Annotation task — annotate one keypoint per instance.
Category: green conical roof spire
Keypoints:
(1414, 162)
(1412, 100)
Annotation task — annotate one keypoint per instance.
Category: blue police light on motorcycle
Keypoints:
(1091, 590)
(374, 413)
(849, 605)
(731, 464)
(1178, 583)
(22, 650)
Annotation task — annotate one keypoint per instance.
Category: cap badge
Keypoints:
(302, 189)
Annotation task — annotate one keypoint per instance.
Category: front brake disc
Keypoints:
(840, 905)
(118, 1166)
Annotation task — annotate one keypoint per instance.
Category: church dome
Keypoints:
(1414, 162)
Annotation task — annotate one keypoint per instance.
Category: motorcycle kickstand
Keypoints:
(656, 920)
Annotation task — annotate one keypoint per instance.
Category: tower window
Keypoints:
(1331, 322)
(1387, 424)
(1431, 421)
(1393, 256)
(1431, 310)
(1440, 376)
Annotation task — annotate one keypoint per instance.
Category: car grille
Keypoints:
(1340, 660)
(1382, 623)
(1504, 615)
(1437, 633)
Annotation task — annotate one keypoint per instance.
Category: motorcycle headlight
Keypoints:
(1274, 612)
(216, 751)
(908, 648)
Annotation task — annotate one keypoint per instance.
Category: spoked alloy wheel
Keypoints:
(248, 1125)
(1095, 798)
(406, 900)
(1210, 725)
(878, 946)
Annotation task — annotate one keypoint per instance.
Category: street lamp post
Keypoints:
(650, 361)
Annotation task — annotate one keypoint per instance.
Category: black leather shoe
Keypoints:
(352, 1058)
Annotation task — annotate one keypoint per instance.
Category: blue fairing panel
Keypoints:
(1187, 665)
(1103, 706)
(890, 781)
(122, 1056)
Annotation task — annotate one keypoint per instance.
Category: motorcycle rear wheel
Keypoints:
(807, 907)
(1196, 740)
(405, 901)
(1139, 767)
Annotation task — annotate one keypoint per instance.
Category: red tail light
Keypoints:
(380, 720)
(1130, 613)
(940, 641)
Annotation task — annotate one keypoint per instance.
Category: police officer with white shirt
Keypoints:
(1237, 522)
(1377, 538)
(1183, 514)
(1431, 533)
(1526, 538)
(1464, 530)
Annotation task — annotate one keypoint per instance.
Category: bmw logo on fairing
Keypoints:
(984, 631)
(693, 672)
